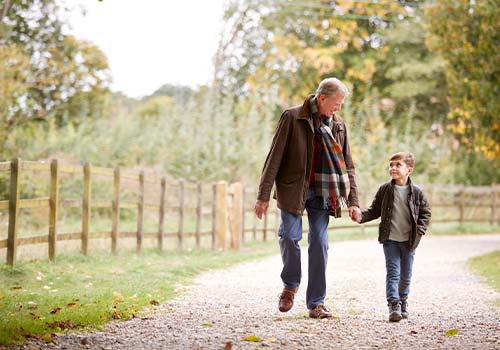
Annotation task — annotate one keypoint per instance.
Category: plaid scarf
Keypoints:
(330, 173)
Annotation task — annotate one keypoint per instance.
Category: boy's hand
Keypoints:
(355, 214)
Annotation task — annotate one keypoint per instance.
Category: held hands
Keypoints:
(355, 214)
(260, 208)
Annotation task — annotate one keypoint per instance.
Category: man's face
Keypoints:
(328, 105)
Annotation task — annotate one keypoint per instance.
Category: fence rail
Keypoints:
(228, 207)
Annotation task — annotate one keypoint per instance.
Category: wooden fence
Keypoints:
(229, 208)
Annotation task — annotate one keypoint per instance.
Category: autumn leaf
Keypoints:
(1, 297)
(69, 305)
(32, 305)
(228, 346)
(16, 287)
(253, 338)
(452, 332)
(208, 324)
(55, 310)
(412, 332)
(154, 302)
(271, 340)
(34, 316)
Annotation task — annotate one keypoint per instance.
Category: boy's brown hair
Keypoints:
(407, 157)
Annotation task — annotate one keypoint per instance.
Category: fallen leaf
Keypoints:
(271, 340)
(32, 305)
(55, 310)
(451, 332)
(20, 307)
(208, 324)
(253, 338)
(412, 332)
(1, 297)
(15, 287)
(228, 346)
(34, 316)
(69, 305)
(154, 302)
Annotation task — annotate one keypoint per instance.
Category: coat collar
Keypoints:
(410, 185)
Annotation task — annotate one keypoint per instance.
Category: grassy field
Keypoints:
(488, 266)
(38, 298)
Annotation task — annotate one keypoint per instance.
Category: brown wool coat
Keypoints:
(289, 161)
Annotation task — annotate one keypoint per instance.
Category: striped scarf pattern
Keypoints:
(330, 173)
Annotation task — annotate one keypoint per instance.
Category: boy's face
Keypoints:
(399, 171)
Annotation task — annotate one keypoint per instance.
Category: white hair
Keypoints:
(330, 87)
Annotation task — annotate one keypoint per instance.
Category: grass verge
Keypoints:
(39, 298)
(488, 266)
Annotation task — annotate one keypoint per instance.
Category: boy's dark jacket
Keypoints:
(382, 207)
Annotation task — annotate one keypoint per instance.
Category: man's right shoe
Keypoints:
(320, 311)
(395, 311)
(286, 299)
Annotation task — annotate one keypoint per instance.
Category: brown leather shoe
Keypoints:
(286, 299)
(320, 311)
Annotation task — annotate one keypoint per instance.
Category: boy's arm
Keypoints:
(424, 215)
(373, 212)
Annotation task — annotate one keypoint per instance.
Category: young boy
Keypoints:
(405, 216)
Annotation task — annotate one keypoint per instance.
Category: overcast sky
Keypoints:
(151, 42)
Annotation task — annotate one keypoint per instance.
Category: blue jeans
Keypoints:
(290, 233)
(398, 263)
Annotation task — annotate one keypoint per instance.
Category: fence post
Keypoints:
(236, 215)
(221, 214)
(243, 214)
(86, 210)
(214, 213)
(54, 206)
(161, 228)
(140, 213)
(461, 204)
(115, 213)
(180, 233)
(493, 203)
(15, 183)
(264, 230)
(199, 207)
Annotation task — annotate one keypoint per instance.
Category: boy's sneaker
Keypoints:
(404, 309)
(395, 311)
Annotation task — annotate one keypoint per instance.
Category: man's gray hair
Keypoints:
(330, 87)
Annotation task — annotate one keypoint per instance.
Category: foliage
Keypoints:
(488, 266)
(48, 74)
(39, 298)
(467, 33)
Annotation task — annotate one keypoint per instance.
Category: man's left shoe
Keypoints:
(320, 311)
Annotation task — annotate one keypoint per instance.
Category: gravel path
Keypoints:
(224, 307)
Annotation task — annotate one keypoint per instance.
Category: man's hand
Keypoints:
(261, 208)
(355, 214)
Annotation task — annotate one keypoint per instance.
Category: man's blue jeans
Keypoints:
(290, 233)
(398, 263)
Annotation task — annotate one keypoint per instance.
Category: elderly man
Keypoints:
(311, 163)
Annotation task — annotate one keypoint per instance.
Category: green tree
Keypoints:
(48, 74)
(467, 34)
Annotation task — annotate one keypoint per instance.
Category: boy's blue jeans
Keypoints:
(398, 263)
(290, 233)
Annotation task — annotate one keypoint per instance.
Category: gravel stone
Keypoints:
(242, 301)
